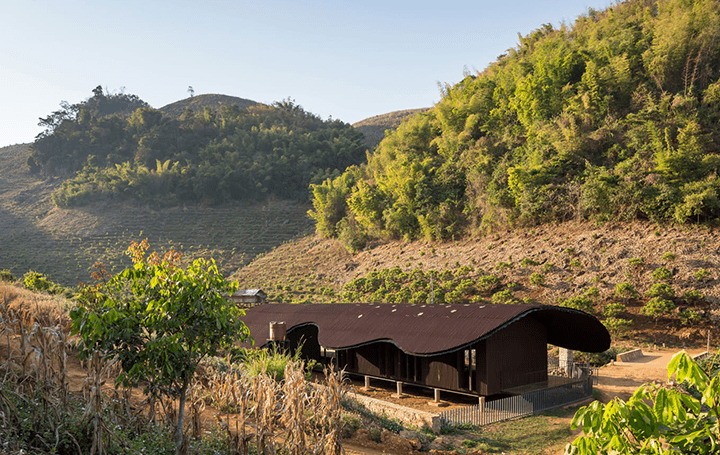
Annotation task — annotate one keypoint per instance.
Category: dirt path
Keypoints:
(621, 379)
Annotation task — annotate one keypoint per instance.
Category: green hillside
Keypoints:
(613, 117)
(65, 243)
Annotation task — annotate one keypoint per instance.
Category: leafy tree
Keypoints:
(160, 320)
(655, 420)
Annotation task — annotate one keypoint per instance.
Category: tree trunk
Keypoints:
(179, 449)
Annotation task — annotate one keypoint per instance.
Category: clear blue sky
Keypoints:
(348, 60)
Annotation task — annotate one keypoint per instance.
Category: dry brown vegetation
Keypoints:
(84, 414)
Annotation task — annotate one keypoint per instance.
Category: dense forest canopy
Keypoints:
(116, 146)
(612, 117)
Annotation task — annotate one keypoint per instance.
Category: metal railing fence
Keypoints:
(519, 405)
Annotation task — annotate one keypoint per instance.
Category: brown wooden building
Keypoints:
(478, 349)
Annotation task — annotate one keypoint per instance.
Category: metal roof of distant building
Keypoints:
(426, 329)
(249, 292)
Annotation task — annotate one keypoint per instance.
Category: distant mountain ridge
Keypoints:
(198, 103)
(373, 128)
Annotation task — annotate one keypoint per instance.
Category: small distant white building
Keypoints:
(249, 297)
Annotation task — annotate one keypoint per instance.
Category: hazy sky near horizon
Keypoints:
(348, 60)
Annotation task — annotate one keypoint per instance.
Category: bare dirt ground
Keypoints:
(621, 379)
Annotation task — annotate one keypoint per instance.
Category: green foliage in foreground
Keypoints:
(656, 420)
(35, 429)
(135, 152)
(614, 117)
(160, 320)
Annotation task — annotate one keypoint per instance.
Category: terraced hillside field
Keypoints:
(64, 243)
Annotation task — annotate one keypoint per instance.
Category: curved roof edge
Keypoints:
(442, 328)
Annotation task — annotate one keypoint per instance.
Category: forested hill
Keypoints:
(612, 117)
(116, 147)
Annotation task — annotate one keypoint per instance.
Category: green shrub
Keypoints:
(658, 307)
(6, 275)
(328, 291)
(661, 274)
(580, 302)
(626, 291)
(693, 296)
(487, 283)
(702, 275)
(349, 424)
(537, 279)
(351, 296)
(266, 361)
(661, 290)
(688, 316)
(597, 359)
(446, 275)
(527, 262)
(592, 292)
(35, 281)
(617, 326)
(576, 264)
(612, 310)
(504, 266)
(503, 297)
(548, 266)
(669, 257)
(636, 262)
(419, 297)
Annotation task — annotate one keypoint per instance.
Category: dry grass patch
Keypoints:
(32, 307)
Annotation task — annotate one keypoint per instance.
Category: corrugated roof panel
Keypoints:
(426, 329)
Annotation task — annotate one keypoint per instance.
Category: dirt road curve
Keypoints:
(623, 378)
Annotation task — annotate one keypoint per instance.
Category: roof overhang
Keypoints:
(427, 330)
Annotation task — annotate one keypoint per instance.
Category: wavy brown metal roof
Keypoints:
(426, 329)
